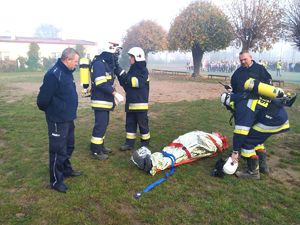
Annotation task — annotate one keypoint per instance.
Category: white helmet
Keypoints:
(225, 98)
(138, 54)
(230, 166)
(113, 47)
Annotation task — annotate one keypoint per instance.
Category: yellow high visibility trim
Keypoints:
(243, 130)
(260, 147)
(131, 135)
(102, 104)
(134, 82)
(138, 106)
(231, 104)
(100, 80)
(247, 153)
(97, 140)
(252, 104)
(145, 136)
(263, 102)
(108, 77)
(271, 129)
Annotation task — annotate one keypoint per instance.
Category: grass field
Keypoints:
(103, 195)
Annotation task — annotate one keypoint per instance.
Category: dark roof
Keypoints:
(45, 40)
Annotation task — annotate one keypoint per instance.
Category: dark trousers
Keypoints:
(100, 126)
(61, 147)
(134, 120)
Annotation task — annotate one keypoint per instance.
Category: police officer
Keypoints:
(136, 86)
(103, 96)
(58, 99)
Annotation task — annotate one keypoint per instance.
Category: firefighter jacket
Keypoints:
(58, 96)
(255, 71)
(102, 79)
(259, 115)
(136, 86)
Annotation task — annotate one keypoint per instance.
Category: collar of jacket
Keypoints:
(63, 67)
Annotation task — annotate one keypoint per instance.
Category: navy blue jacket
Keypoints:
(136, 86)
(255, 71)
(58, 96)
(102, 77)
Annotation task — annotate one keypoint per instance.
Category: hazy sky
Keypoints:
(92, 20)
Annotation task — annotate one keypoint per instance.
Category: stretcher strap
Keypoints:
(179, 145)
(157, 182)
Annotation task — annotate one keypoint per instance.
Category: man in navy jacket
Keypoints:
(58, 99)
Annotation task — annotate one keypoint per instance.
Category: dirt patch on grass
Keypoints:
(162, 89)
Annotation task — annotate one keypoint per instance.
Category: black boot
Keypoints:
(252, 171)
(263, 167)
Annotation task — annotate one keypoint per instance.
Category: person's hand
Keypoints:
(118, 98)
(235, 156)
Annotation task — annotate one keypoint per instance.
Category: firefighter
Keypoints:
(104, 97)
(136, 86)
(255, 121)
(256, 116)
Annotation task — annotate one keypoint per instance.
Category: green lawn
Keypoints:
(104, 194)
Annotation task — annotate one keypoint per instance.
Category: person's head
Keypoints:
(136, 54)
(70, 58)
(245, 58)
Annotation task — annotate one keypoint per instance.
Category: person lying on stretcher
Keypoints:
(186, 148)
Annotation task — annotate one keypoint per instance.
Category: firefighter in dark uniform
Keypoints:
(256, 116)
(103, 97)
(58, 99)
(136, 86)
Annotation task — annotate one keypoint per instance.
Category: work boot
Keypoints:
(99, 155)
(106, 150)
(252, 171)
(126, 147)
(60, 188)
(263, 167)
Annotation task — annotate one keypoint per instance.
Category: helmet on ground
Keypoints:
(223, 167)
(230, 166)
(138, 53)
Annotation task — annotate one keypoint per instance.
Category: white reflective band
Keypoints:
(134, 82)
(97, 140)
(136, 106)
(271, 129)
(131, 135)
(55, 135)
(237, 127)
(145, 136)
(102, 104)
(122, 72)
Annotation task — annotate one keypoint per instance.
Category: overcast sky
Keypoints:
(91, 20)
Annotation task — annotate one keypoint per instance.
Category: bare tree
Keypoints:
(257, 23)
(292, 22)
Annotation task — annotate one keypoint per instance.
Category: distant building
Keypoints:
(12, 47)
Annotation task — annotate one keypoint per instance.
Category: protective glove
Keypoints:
(118, 98)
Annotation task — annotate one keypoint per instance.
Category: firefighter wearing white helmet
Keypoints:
(104, 97)
(136, 85)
